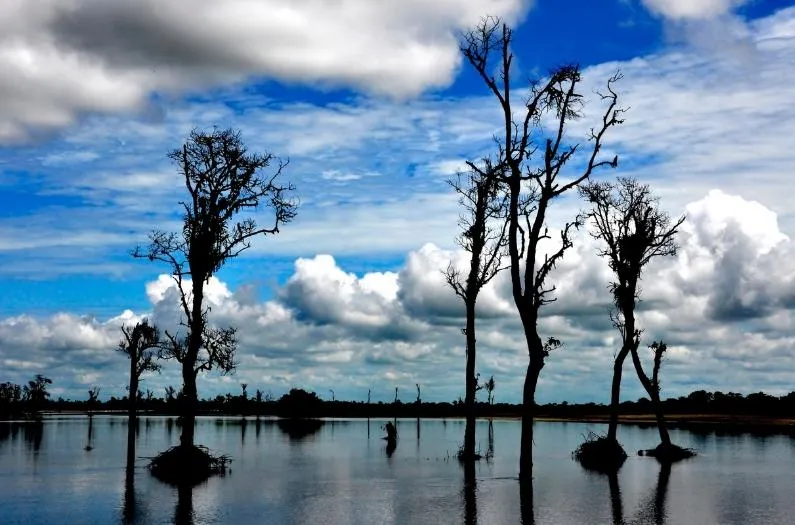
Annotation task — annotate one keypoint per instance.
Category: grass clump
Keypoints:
(189, 466)
(599, 453)
(462, 456)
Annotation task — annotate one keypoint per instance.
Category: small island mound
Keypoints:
(668, 453)
(187, 466)
(600, 453)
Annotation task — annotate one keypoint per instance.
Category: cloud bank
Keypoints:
(64, 59)
(724, 305)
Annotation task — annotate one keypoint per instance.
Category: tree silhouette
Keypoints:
(35, 392)
(627, 219)
(93, 399)
(222, 180)
(489, 386)
(140, 343)
(532, 149)
(483, 236)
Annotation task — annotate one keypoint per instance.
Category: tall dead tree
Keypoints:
(223, 181)
(483, 236)
(628, 220)
(532, 151)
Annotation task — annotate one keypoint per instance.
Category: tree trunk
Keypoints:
(661, 492)
(615, 393)
(654, 395)
(190, 396)
(528, 417)
(189, 405)
(184, 510)
(662, 425)
(471, 385)
(132, 412)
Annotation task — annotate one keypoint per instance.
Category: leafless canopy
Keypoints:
(627, 218)
(483, 227)
(142, 342)
(217, 351)
(533, 150)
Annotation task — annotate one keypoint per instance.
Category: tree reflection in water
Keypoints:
(490, 452)
(661, 492)
(298, 429)
(470, 493)
(90, 439)
(33, 433)
(184, 511)
(616, 506)
(653, 509)
(391, 445)
(128, 510)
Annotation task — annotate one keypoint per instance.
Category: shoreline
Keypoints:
(748, 423)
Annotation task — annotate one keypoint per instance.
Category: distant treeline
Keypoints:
(25, 401)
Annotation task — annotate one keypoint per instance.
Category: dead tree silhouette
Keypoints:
(483, 236)
(140, 343)
(627, 219)
(529, 160)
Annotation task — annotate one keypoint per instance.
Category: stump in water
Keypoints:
(668, 453)
(187, 465)
(600, 453)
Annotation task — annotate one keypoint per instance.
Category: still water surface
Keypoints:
(343, 474)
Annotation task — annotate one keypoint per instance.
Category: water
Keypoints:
(340, 475)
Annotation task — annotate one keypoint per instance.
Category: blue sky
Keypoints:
(375, 110)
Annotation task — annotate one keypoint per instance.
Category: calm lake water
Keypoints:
(343, 474)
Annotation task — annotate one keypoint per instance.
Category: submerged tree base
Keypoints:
(600, 453)
(668, 453)
(187, 465)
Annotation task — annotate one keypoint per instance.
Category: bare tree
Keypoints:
(140, 343)
(628, 220)
(93, 399)
(223, 181)
(532, 151)
(489, 386)
(170, 394)
(483, 235)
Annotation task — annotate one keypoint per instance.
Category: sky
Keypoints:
(375, 109)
